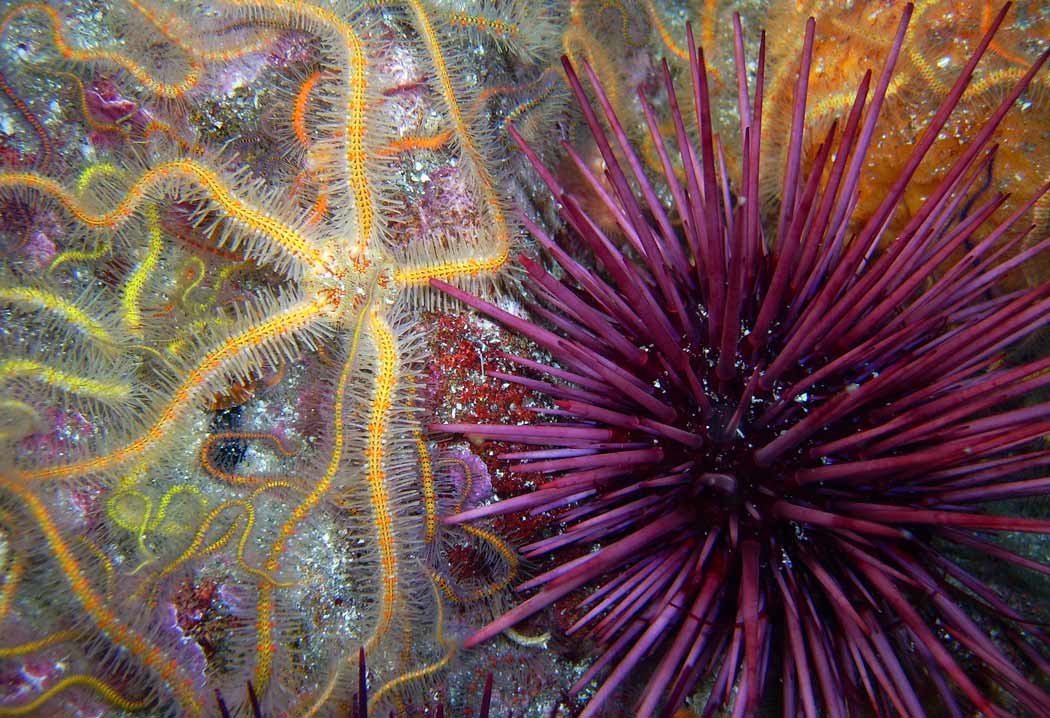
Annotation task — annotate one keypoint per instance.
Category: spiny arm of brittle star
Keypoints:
(133, 68)
(249, 512)
(143, 650)
(104, 562)
(546, 81)
(39, 644)
(502, 548)
(157, 521)
(426, 476)
(468, 482)
(64, 310)
(16, 566)
(116, 509)
(282, 237)
(194, 550)
(308, 178)
(409, 677)
(156, 126)
(132, 290)
(532, 94)
(464, 136)
(17, 419)
(82, 100)
(422, 274)
(380, 500)
(494, 27)
(987, 16)
(174, 29)
(355, 122)
(46, 149)
(382, 508)
(579, 44)
(417, 142)
(625, 21)
(299, 109)
(63, 381)
(491, 588)
(240, 479)
(107, 692)
(707, 32)
(266, 646)
(296, 319)
(139, 522)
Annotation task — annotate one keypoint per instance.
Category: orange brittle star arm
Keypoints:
(355, 124)
(382, 508)
(284, 238)
(406, 678)
(426, 475)
(174, 29)
(296, 319)
(167, 669)
(194, 550)
(486, 590)
(266, 646)
(133, 68)
(47, 151)
(415, 276)
(108, 693)
(244, 479)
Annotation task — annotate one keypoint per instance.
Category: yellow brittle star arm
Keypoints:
(39, 644)
(426, 475)
(406, 678)
(382, 507)
(421, 275)
(194, 549)
(468, 146)
(59, 307)
(64, 381)
(490, 589)
(108, 693)
(137, 279)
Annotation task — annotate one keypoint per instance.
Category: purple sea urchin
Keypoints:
(772, 444)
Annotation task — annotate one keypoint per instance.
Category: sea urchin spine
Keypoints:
(771, 444)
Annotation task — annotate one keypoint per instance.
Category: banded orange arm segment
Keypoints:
(387, 362)
(473, 155)
(169, 670)
(266, 646)
(170, 90)
(295, 320)
(285, 238)
(354, 112)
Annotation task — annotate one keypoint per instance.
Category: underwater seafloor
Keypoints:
(219, 353)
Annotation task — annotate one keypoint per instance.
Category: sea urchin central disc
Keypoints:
(771, 443)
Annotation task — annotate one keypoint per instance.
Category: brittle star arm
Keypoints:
(300, 319)
(173, 675)
(355, 185)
